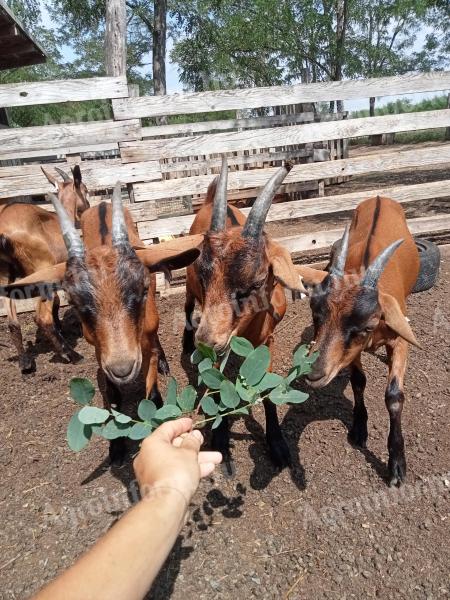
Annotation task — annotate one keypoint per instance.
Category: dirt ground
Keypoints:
(328, 528)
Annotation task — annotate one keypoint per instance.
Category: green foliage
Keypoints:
(222, 396)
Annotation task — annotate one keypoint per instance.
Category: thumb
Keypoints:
(191, 442)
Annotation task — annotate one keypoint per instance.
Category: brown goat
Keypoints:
(239, 282)
(108, 280)
(30, 239)
(361, 305)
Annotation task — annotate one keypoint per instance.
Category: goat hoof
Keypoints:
(357, 436)
(27, 364)
(74, 357)
(163, 366)
(188, 341)
(228, 467)
(397, 472)
(279, 453)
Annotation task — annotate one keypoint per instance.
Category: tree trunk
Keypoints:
(159, 51)
(116, 38)
(375, 140)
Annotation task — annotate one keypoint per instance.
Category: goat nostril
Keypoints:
(121, 370)
(314, 376)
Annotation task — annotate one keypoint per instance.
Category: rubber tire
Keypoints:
(430, 258)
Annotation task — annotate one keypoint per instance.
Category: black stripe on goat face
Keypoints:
(80, 292)
(363, 318)
(133, 279)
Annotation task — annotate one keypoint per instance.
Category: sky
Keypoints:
(174, 85)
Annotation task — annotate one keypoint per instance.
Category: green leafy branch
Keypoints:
(222, 397)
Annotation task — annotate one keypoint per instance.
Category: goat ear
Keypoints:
(38, 284)
(174, 254)
(76, 174)
(311, 277)
(395, 319)
(51, 179)
(283, 268)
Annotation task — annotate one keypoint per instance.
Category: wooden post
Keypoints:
(447, 130)
(116, 38)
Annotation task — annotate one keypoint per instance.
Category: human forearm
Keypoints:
(123, 564)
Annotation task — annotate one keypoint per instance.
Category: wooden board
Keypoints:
(305, 208)
(62, 136)
(97, 175)
(281, 136)
(51, 152)
(69, 90)
(185, 103)
(306, 172)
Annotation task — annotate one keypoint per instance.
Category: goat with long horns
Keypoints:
(238, 281)
(360, 304)
(108, 280)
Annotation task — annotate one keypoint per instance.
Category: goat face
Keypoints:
(236, 282)
(72, 192)
(108, 290)
(345, 315)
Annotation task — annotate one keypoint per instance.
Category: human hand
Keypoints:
(170, 458)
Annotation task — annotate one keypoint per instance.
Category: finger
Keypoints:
(178, 440)
(209, 457)
(206, 469)
(172, 429)
(198, 434)
(191, 442)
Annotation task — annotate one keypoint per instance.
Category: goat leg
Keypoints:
(26, 362)
(358, 432)
(397, 353)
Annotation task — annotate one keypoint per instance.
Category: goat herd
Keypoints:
(238, 276)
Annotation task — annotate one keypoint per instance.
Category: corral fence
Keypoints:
(166, 169)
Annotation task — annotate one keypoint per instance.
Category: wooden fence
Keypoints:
(170, 163)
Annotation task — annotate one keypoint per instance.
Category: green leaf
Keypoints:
(269, 381)
(241, 346)
(146, 410)
(120, 417)
(223, 362)
(187, 398)
(217, 422)
(167, 412)
(78, 434)
(81, 390)
(255, 365)
(91, 415)
(209, 406)
(196, 357)
(283, 395)
(245, 393)
(299, 355)
(171, 396)
(206, 363)
(293, 374)
(207, 352)
(228, 394)
(212, 378)
(139, 431)
(113, 430)
(243, 410)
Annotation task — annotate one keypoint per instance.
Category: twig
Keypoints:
(295, 584)
(6, 564)
(36, 487)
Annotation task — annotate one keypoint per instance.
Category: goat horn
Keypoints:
(63, 174)
(255, 221)
(72, 239)
(119, 233)
(376, 268)
(337, 268)
(219, 214)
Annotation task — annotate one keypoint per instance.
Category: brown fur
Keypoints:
(32, 241)
(349, 319)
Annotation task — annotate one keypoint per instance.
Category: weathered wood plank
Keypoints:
(306, 172)
(69, 90)
(97, 175)
(152, 106)
(61, 152)
(314, 206)
(281, 136)
(63, 136)
(234, 161)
